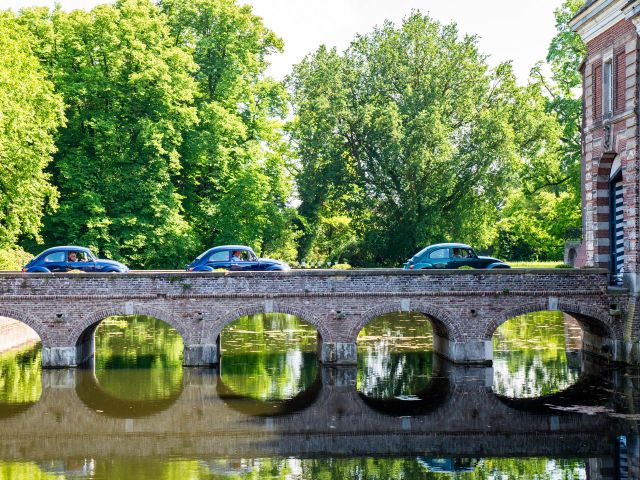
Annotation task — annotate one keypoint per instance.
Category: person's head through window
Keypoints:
(73, 256)
(237, 256)
(457, 253)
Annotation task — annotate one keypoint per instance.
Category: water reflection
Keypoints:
(302, 469)
(20, 379)
(395, 356)
(411, 414)
(269, 356)
(532, 358)
(138, 358)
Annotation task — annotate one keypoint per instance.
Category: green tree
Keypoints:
(412, 136)
(547, 203)
(129, 96)
(30, 114)
(235, 182)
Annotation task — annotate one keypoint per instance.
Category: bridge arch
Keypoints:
(221, 322)
(589, 318)
(29, 320)
(442, 320)
(85, 329)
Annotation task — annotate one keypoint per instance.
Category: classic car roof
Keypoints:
(231, 247)
(449, 245)
(66, 248)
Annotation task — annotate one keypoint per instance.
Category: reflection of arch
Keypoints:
(234, 315)
(431, 398)
(87, 327)
(34, 323)
(441, 320)
(269, 408)
(91, 393)
(588, 317)
(8, 410)
(588, 391)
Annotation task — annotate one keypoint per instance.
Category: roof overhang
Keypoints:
(597, 17)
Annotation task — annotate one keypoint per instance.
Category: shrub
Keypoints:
(341, 266)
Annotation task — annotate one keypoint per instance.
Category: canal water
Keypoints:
(542, 411)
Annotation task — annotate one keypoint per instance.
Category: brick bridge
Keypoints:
(465, 307)
(458, 416)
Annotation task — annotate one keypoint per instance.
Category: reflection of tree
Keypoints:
(269, 376)
(268, 356)
(138, 358)
(530, 357)
(309, 469)
(395, 355)
(20, 375)
(393, 374)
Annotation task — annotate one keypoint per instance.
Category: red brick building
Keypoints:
(610, 138)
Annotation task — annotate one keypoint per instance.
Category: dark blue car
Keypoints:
(234, 257)
(451, 256)
(65, 259)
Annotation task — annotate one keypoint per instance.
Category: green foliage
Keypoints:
(235, 179)
(30, 114)
(538, 213)
(414, 136)
(341, 266)
(13, 258)
(129, 93)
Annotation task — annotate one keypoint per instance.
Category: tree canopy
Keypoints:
(149, 132)
(413, 136)
(30, 113)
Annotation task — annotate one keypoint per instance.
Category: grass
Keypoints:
(535, 264)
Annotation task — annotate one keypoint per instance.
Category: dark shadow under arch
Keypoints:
(269, 408)
(96, 398)
(589, 391)
(431, 398)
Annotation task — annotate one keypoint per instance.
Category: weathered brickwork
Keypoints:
(465, 307)
(609, 142)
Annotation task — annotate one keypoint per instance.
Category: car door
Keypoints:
(83, 262)
(462, 257)
(219, 259)
(56, 261)
(252, 263)
(439, 258)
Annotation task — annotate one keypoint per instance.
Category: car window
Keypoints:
(80, 256)
(222, 256)
(460, 253)
(440, 253)
(55, 257)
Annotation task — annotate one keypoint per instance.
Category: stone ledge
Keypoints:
(259, 295)
(368, 272)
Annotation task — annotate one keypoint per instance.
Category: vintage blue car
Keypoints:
(451, 255)
(65, 259)
(236, 258)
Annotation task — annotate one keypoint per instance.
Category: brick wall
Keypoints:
(463, 305)
(610, 142)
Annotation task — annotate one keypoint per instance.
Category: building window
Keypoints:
(596, 96)
(607, 88)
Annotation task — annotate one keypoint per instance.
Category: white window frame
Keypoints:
(607, 87)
